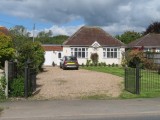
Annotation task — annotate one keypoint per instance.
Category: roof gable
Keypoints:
(95, 44)
(86, 36)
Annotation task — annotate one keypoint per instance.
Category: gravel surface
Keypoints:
(55, 83)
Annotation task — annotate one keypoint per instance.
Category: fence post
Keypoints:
(6, 76)
(137, 79)
(26, 81)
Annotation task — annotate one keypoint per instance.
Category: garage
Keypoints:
(53, 54)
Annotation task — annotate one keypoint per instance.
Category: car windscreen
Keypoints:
(71, 58)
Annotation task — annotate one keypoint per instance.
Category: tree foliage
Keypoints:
(153, 28)
(19, 30)
(32, 51)
(6, 49)
(129, 36)
(52, 40)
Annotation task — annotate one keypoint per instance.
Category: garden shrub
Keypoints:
(17, 87)
(88, 63)
(134, 57)
(94, 58)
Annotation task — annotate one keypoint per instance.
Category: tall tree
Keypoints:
(153, 28)
(19, 30)
(128, 36)
(45, 34)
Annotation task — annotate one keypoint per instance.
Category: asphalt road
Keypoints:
(137, 109)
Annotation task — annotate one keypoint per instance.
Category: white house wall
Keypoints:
(99, 51)
(52, 56)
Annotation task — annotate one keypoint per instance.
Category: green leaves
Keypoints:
(128, 36)
(6, 49)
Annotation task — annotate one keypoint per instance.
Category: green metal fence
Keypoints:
(139, 80)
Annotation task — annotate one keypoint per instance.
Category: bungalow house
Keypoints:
(88, 40)
(53, 54)
(150, 43)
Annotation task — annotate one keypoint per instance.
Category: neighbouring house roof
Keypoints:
(51, 47)
(86, 36)
(149, 40)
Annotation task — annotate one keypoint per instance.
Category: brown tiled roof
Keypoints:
(52, 47)
(149, 40)
(86, 36)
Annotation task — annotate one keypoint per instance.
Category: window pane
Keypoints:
(83, 54)
(115, 54)
(75, 49)
(104, 49)
(79, 54)
(108, 49)
(108, 54)
(83, 49)
(111, 54)
(104, 54)
(76, 54)
(115, 49)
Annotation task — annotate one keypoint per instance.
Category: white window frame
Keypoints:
(111, 52)
(79, 52)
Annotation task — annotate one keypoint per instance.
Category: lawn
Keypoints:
(119, 71)
(150, 81)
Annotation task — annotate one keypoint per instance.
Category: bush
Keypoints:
(2, 87)
(17, 87)
(134, 57)
(88, 63)
(94, 58)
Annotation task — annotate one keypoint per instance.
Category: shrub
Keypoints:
(88, 63)
(94, 58)
(104, 64)
(17, 87)
(113, 64)
(137, 56)
(82, 65)
(2, 87)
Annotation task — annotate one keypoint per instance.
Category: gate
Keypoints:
(30, 79)
(132, 80)
(139, 80)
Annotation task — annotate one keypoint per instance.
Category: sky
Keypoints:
(67, 16)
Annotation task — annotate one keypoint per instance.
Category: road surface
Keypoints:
(139, 109)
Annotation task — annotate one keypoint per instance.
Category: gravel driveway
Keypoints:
(56, 83)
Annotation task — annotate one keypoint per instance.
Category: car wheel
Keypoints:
(64, 68)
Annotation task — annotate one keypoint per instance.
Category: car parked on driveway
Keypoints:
(69, 62)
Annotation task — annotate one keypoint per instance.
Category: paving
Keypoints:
(74, 109)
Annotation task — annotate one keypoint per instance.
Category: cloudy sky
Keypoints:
(66, 16)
